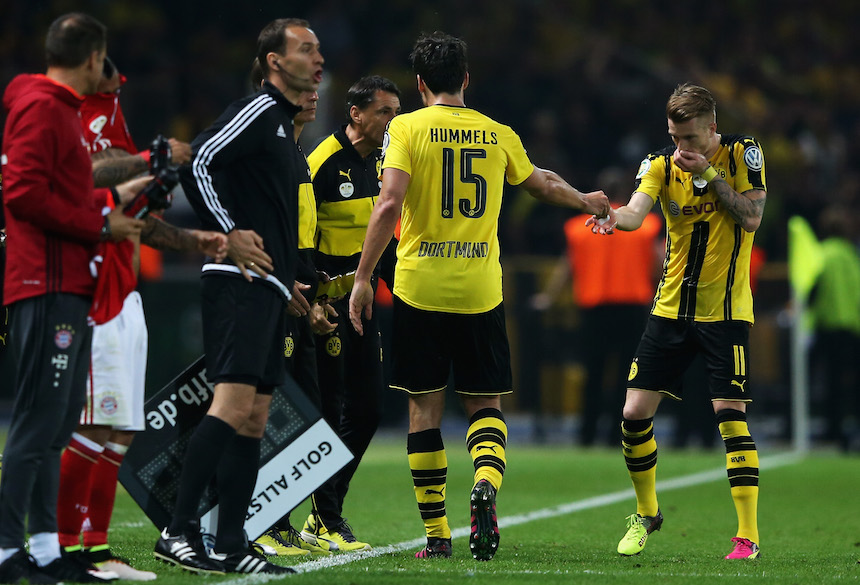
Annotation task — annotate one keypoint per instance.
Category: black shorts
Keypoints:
(669, 345)
(426, 344)
(243, 332)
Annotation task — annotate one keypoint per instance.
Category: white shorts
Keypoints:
(115, 386)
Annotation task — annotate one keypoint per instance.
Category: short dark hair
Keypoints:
(273, 39)
(72, 38)
(690, 101)
(363, 91)
(441, 61)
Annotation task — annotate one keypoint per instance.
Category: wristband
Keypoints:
(115, 195)
(145, 155)
(710, 174)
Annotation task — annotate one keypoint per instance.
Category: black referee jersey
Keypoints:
(246, 172)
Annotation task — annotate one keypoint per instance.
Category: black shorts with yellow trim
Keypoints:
(243, 332)
(668, 346)
(426, 345)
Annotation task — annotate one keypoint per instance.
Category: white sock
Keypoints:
(117, 448)
(5, 553)
(89, 443)
(44, 547)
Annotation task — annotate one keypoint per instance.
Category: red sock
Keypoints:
(103, 494)
(76, 472)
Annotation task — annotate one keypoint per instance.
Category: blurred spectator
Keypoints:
(613, 285)
(587, 69)
(835, 306)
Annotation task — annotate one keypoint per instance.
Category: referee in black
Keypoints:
(245, 179)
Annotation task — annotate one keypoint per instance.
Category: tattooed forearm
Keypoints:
(114, 166)
(747, 210)
(164, 236)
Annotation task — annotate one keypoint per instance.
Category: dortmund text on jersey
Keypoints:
(458, 161)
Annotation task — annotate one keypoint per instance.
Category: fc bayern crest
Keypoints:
(108, 405)
(63, 338)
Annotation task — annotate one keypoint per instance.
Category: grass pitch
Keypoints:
(562, 512)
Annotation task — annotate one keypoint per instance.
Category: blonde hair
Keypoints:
(690, 101)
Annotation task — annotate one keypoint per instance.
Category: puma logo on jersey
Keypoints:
(439, 493)
(739, 385)
(345, 174)
(281, 132)
(490, 447)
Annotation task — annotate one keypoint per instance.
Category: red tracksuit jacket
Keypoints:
(53, 215)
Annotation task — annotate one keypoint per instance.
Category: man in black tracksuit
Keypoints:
(245, 180)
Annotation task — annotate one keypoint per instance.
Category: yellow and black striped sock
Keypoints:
(486, 440)
(742, 469)
(640, 454)
(429, 466)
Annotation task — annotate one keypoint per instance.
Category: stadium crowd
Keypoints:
(789, 76)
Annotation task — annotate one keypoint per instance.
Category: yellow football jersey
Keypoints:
(458, 160)
(706, 273)
(346, 186)
(307, 216)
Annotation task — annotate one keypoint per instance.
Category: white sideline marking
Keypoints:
(439, 569)
(683, 481)
(139, 524)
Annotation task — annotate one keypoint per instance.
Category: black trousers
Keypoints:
(837, 378)
(302, 358)
(350, 382)
(51, 342)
